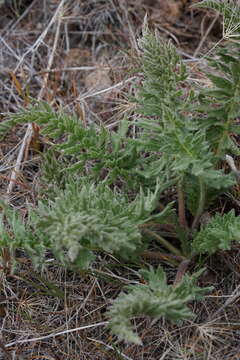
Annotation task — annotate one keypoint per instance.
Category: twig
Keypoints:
(19, 19)
(132, 34)
(2, 168)
(16, 182)
(205, 36)
(26, 139)
(9, 48)
(121, 83)
(6, 352)
(42, 36)
(235, 295)
(78, 68)
(110, 347)
(57, 334)
(29, 132)
(50, 61)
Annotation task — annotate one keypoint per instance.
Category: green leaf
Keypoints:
(17, 235)
(155, 299)
(86, 217)
(218, 234)
(230, 11)
(221, 82)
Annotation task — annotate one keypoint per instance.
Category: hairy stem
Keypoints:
(163, 242)
(181, 205)
(228, 123)
(166, 227)
(157, 255)
(201, 204)
(181, 271)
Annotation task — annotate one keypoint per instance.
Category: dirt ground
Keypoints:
(80, 55)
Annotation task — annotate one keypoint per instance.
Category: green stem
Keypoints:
(221, 141)
(163, 242)
(181, 271)
(228, 124)
(181, 205)
(167, 227)
(169, 258)
(201, 203)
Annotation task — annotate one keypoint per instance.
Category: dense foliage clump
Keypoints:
(104, 190)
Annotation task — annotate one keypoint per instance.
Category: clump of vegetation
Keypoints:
(105, 191)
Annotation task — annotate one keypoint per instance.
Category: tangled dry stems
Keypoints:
(51, 52)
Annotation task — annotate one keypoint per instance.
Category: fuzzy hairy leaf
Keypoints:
(155, 299)
(163, 74)
(215, 190)
(185, 151)
(92, 174)
(218, 234)
(17, 235)
(181, 140)
(229, 9)
(86, 217)
(95, 151)
(220, 104)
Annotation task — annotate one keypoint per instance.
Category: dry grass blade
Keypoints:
(15, 171)
(29, 133)
(56, 334)
(51, 48)
(58, 15)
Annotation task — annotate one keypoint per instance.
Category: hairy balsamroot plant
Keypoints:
(105, 191)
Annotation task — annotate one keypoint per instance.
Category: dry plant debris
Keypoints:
(77, 54)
